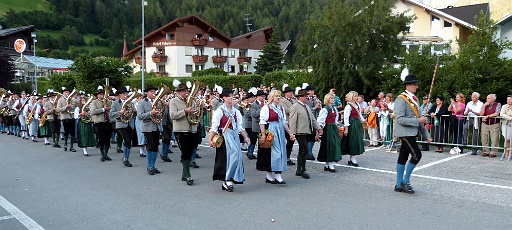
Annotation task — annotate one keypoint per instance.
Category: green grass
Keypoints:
(20, 5)
(91, 49)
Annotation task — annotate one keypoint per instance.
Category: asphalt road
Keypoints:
(46, 188)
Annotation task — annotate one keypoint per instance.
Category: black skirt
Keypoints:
(263, 163)
(219, 169)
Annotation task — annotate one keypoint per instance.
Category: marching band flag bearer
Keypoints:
(150, 130)
(102, 125)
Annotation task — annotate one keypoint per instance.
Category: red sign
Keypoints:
(20, 45)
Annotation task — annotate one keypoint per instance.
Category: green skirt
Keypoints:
(85, 135)
(46, 129)
(353, 144)
(330, 145)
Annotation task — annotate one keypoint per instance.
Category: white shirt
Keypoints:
(474, 107)
(217, 116)
(264, 114)
(77, 112)
(323, 115)
(346, 114)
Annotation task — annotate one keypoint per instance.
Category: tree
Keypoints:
(91, 72)
(6, 71)
(348, 42)
(270, 58)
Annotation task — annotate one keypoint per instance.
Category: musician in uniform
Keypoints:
(255, 113)
(115, 97)
(248, 125)
(303, 125)
(50, 107)
(45, 129)
(11, 121)
(68, 122)
(20, 122)
(124, 127)
(100, 109)
(287, 103)
(184, 131)
(227, 122)
(151, 131)
(409, 125)
(166, 132)
(29, 112)
(3, 105)
(216, 101)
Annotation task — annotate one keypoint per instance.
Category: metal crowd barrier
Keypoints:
(465, 132)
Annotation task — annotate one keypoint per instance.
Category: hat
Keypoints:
(301, 93)
(226, 92)
(260, 93)
(64, 89)
(287, 88)
(100, 90)
(121, 89)
(306, 86)
(50, 94)
(410, 79)
(181, 87)
(425, 97)
(248, 95)
(150, 87)
(113, 92)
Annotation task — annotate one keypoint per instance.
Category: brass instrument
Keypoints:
(30, 116)
(158, 105)
(107, 88)
(59, 95)
(43, 119)
(86, 108)
(70, 98)
(195, 103)
(128, 107)
(246, 106)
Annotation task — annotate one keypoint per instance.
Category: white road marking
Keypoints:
(19, 215)
(438, 162)
(6, 217)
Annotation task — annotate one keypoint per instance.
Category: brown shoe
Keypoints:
(492, 155)
(485, 154)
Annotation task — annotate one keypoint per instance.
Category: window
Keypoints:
(199, 51)
(188, 68)
(242, 68)
(242, 53)
(189, 51)
(218, 52)
(220, 66)
(159, 51)
(199, 67)
(447, 24)
(169, 36)
(199, 35)
(210, 38)
(161, 68)
(435, 22)
(232, 54)
(232, 69)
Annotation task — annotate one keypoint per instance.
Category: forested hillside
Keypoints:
(111, 19)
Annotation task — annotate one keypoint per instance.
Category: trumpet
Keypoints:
(246, 106)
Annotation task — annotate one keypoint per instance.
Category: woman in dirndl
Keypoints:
(85, 127)
(228, 122)
(330, 145)
(45, 130)
(273, 118)
(33, 126)
(352, 143)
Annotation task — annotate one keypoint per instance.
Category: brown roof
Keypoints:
(468, 13)
(268, 32)
(15, 30)
(179, 21)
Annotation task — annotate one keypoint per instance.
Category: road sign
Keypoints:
(20, 45)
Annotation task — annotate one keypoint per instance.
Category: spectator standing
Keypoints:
(490, 125)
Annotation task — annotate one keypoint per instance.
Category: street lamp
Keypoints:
(34, 36)
(144, 3)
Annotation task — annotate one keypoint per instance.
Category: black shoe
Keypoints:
(47, 144)
(165, 159)
(194, 165)
(311, 158)
(183, 179)
(198, 156)
(119, 150)
(405, 189)
(270, 181)
(175, 146)
(65, 148)
(225, 187)
(102, 159)
(280, 182)
(353, 164)
(250, 156)
(56, 146)
(408, 188)
(155, 170)
(142, 155)
(190, 181)
(290, 162)
(150, 171)
(243, 149)
(72, 150)
(298, 174)
(305, 175)
(113, 142)
(127, 163)
(107, 158)
(327, 169)
(170, 151)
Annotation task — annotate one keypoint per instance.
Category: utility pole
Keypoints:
(247, 18)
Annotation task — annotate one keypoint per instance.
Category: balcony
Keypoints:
(162, 74)
(159, 58)
(243, 73)
(199, 41)
(220, 59)
(138, 61)
(244, 59)
(200, 58)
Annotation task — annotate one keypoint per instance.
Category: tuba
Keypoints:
(128, 107)
(195, 103)
(157, 104)
(86, 108)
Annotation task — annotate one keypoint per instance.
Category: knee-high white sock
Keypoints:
(229, 183)
(278, 177)
(141, 150)
(331, 165)
(353, 159)
(85, 151)
(269, 176)
(46, 140)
